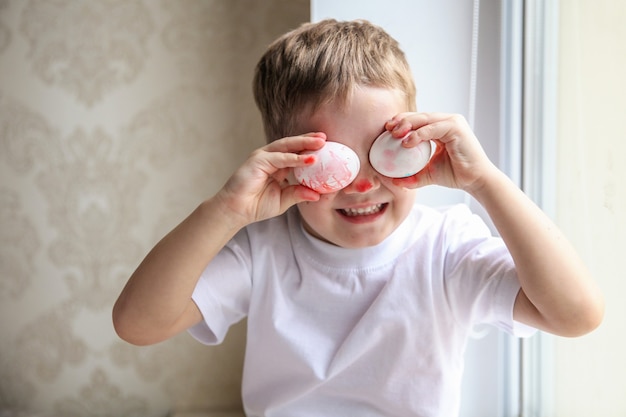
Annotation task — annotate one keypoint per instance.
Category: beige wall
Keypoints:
(116, 119)
(590, 375)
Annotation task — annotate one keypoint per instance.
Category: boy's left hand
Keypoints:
(557, 292)
(458, 162)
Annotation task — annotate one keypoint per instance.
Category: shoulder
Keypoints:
(270, 234)
(455, 235)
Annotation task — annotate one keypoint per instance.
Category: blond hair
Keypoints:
(322, 62)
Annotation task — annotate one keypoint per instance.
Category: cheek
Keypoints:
(315, 218)
(405, 199)
(314, 213)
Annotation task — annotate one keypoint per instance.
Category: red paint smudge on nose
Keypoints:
(363, 186)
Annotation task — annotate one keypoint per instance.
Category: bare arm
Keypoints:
(558, 294)
(156, 302)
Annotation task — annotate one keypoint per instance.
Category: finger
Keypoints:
(437, 131)
(421, 179)
(406, 182)
(428, 125)
(444, 131)
(281, 176)
(295, 194)
(420, 119)
(273, 162)
(296, 144)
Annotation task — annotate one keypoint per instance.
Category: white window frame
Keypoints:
(539, 157)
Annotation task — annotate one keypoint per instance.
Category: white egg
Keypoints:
(335, 167)
(391, 159)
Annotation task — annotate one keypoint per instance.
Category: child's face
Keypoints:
(371, 207)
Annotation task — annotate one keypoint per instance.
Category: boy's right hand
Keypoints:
(156, 303)
(259, 189)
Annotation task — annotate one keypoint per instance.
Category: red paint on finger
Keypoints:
(309, 160)
(407, 182)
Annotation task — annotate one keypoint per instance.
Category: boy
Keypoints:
(359, 302)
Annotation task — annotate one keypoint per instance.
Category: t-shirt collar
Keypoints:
(338, 257)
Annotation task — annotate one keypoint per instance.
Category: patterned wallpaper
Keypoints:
(117, 117)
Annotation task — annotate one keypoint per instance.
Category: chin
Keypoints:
(359, 243)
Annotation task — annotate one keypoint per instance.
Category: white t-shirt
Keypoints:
(379, 331)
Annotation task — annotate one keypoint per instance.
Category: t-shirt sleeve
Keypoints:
(222, 293)
(481, 280)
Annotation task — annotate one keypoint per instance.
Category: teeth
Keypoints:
(364, 211)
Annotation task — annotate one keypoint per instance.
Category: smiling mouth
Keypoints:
(362, 211)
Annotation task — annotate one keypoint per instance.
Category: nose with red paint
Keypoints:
(363, 185)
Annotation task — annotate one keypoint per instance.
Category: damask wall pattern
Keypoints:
(117, 117)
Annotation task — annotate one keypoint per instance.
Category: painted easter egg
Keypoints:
(391, 159)
(335, 167)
